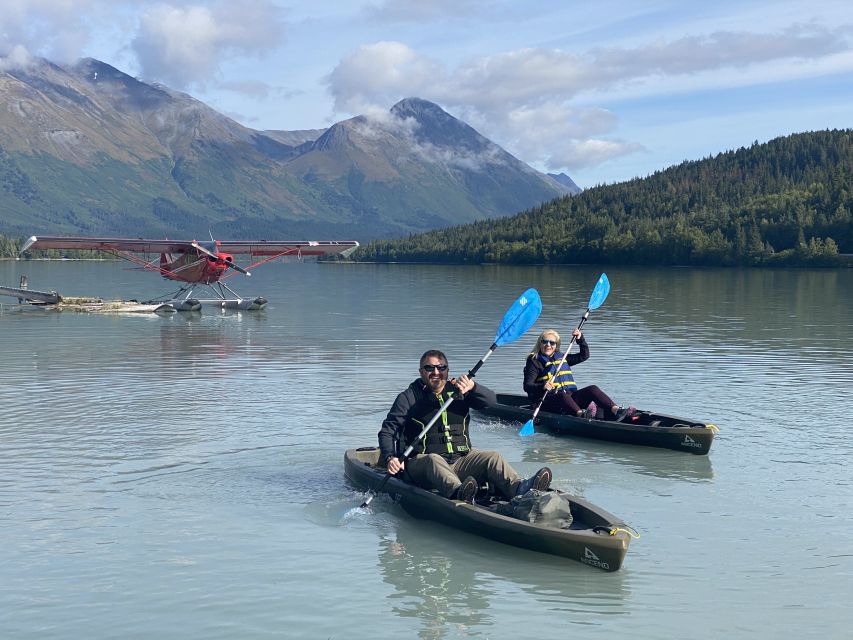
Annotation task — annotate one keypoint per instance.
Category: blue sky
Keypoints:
(605, 91)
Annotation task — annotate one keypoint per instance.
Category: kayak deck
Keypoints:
(596, 537)
(645, 428)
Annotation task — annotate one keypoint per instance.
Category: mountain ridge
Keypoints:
(86, 149)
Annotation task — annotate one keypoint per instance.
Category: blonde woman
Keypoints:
(558, 387)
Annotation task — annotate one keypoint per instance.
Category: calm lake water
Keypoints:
(182, 476)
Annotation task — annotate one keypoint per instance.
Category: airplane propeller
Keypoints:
(198, 247)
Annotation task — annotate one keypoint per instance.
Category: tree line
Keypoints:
(785, 202)
(10, 247)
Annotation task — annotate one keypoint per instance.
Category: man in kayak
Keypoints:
(444, 454)
(561, 393)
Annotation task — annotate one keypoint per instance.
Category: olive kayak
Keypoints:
(645, 428)
(595, 537)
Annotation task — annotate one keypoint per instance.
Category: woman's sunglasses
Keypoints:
(429, 368)
(549, 342)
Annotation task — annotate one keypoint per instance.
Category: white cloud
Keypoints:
(181, 44)
(527, 100)
(550, 82)
(377, 75)
(462, 159)
(184, 45)
(56, 29)
(17, 58)
(718, 50)
(577, 154)
(379, 123)
(560, 136)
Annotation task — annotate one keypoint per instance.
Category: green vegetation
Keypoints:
(787, 202)
(10, 248)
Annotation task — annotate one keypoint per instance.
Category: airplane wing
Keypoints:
(296, 247)
(140, 245)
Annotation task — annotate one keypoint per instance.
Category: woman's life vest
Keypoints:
(562, 380)
(449, 434)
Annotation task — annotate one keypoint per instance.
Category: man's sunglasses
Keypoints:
(432, 367)
(549, 342)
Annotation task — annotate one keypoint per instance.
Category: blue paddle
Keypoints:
(517, 320)
(602, 288)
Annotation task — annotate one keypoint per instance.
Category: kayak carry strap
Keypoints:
(612, 531)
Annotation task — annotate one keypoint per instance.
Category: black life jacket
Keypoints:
(449, 434)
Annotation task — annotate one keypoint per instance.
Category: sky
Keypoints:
(604, 91)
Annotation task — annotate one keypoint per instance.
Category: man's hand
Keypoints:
(463, 383)
(395, 466)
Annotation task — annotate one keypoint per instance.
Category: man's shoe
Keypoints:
(541, 481)
(467, 490)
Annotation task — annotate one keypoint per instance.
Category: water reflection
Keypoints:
(122, 434)
(662, 463)
(454, 583)
(763, 304)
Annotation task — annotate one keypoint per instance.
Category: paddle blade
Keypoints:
(527, 429)
(602, 288)
(519, 318)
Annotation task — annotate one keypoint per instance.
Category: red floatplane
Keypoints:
(199, 264)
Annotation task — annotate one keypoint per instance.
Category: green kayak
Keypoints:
(645, 428)
(595, 537)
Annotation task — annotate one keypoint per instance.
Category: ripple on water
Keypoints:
(185, 473)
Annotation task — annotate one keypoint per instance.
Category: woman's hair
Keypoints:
(548, 332)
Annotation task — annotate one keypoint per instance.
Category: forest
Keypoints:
(10, 248)
(786, 202)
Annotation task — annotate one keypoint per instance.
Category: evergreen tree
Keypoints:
(761, 205)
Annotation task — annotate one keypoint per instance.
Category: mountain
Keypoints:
(87, 149)
(785, 202)
(566, 181)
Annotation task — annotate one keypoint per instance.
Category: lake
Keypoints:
(181, 476)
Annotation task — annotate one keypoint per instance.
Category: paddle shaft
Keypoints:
(423, 432)
(562, 360)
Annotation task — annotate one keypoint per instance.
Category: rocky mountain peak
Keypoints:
(420, 109)
(110, 82)
(438, 127)
(87, 147)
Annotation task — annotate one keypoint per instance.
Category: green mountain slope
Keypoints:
(87, 149)
(788, 201)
